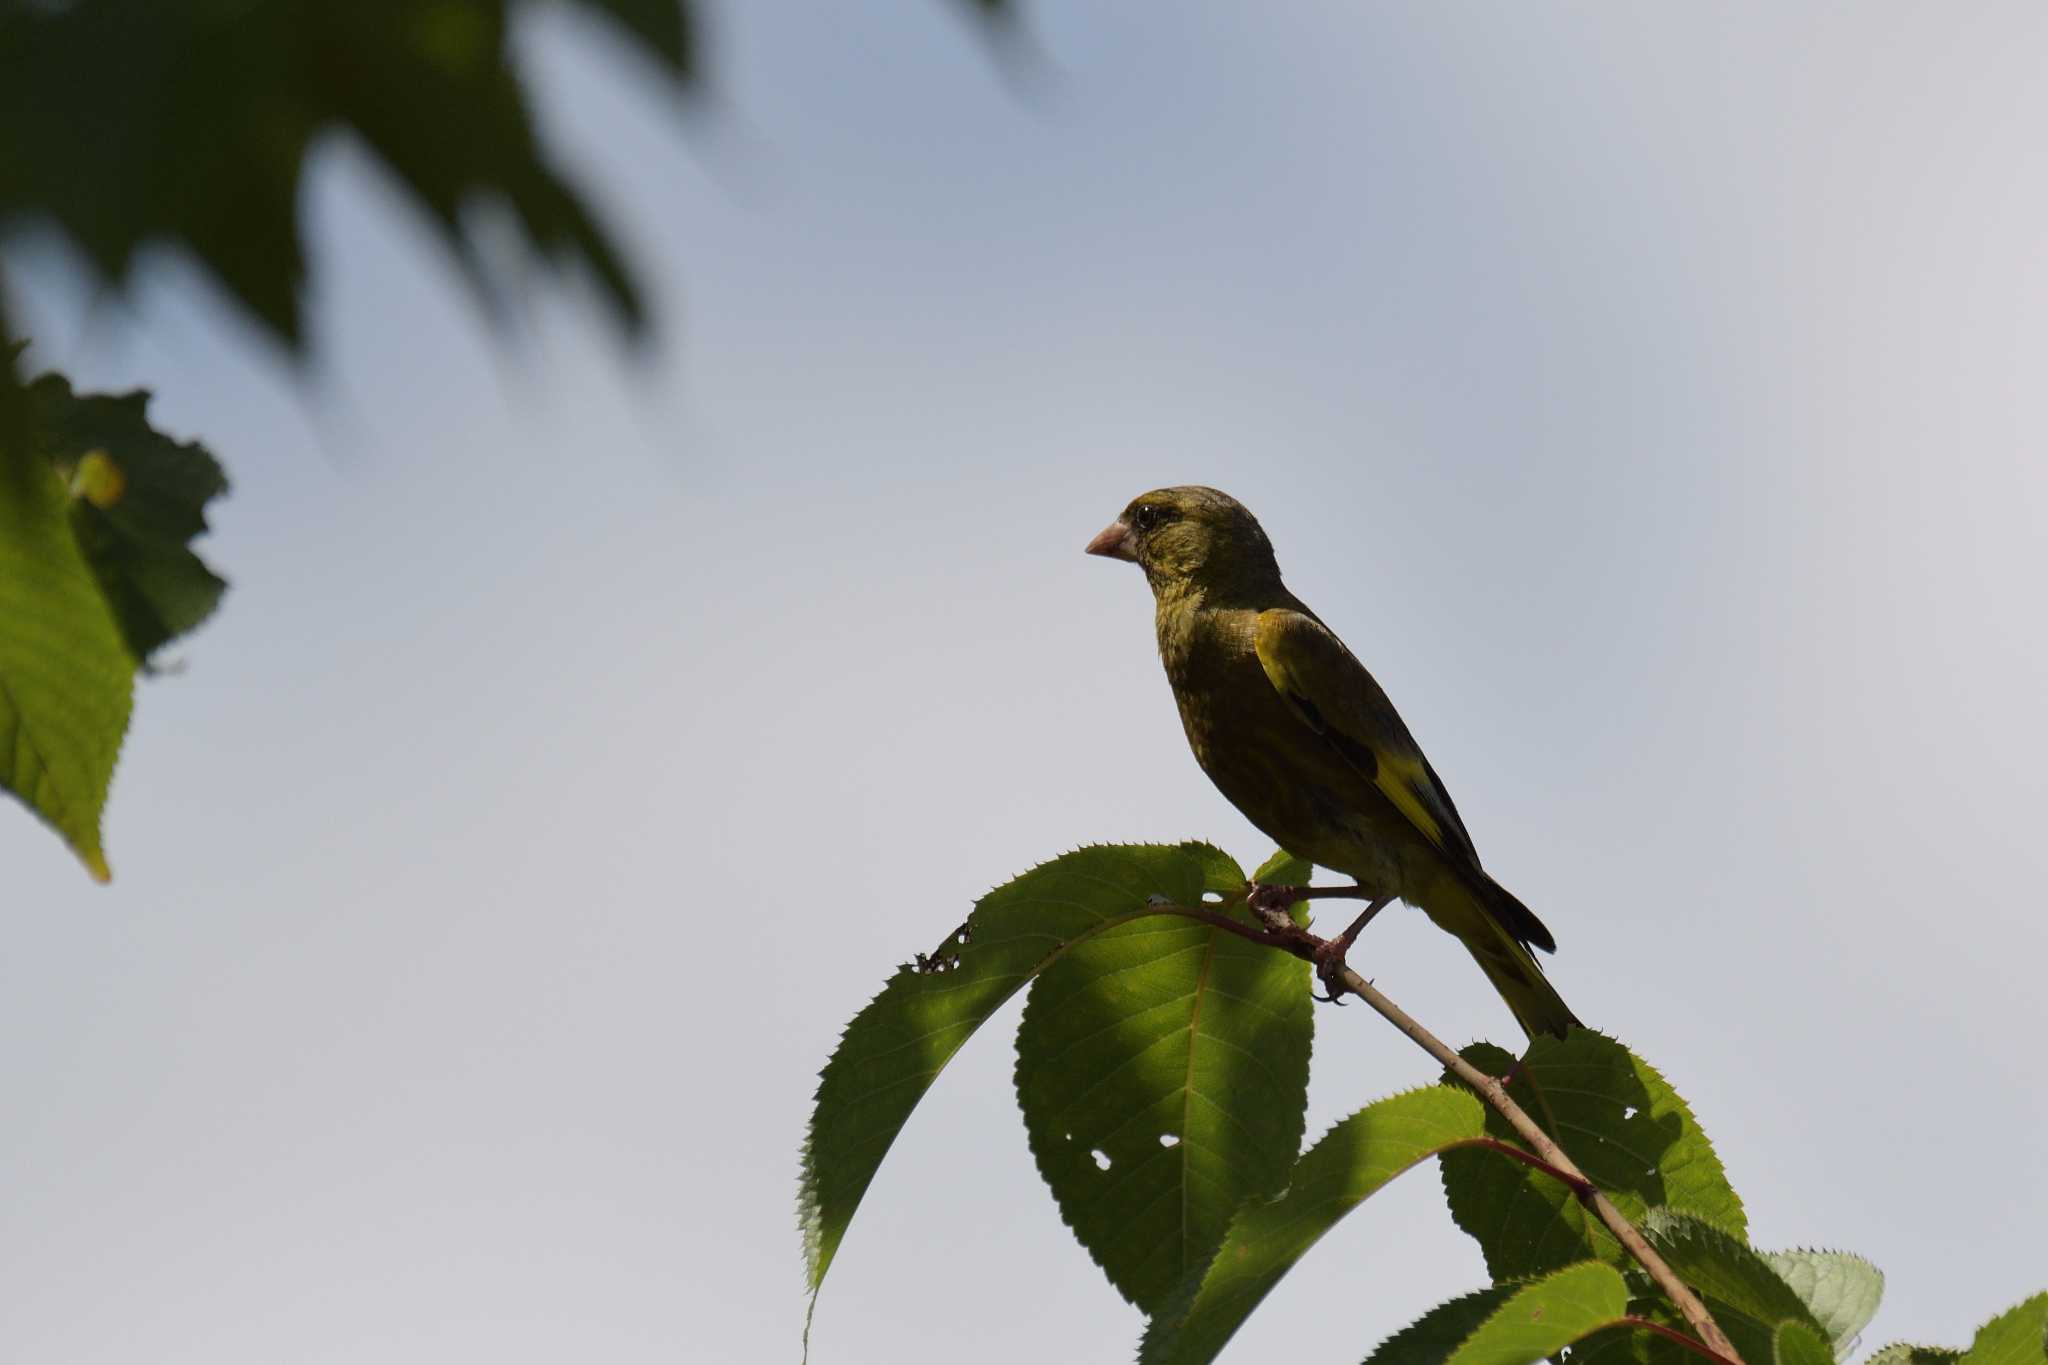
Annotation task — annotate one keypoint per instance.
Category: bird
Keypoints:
(1298, 736)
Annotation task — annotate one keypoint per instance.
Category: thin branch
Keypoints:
(1571, 1182)
(1313, 948)
(1216, 919)
(1681, 1338)
(1494, 1093)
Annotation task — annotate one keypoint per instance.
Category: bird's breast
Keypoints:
(1267, 761)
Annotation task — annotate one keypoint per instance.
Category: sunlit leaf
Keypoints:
(2018, 1336)
(65, 676)
(1840, 1290)
(1351, 1162)
(1512, 1324)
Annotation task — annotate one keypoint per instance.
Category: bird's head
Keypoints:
(1190, 535)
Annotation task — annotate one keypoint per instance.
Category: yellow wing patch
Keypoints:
(1338, 698)
(1402, 780)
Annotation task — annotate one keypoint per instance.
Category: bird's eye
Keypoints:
(1145, 516)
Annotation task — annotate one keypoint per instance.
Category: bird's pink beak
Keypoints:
(1113, 542)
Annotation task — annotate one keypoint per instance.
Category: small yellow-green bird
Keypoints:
(1293, 730)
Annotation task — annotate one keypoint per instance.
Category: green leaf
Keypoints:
(1629, 1345)
(1284, 869)
(1745, 1295)
(1797, 1344)
(896, 1046)
(138, 498)
(66, 679)
(1350, 1163)
(188, 123)
(2018, 1336)
(1512, 1324)
(1162, 1067)
(1840, 1290)
(1619, 1120)
(1901, 1353)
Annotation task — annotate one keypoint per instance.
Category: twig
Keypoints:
(1650, 1325)
(1549, 1156)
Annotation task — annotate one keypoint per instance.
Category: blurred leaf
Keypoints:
(1619, 1120)
(1840, 1290)
(1745, 1295)
(66, 679)
(1798, 1344)
(663, 27)
(1350, 1163)
(138, 498)
(2018, 1336)
(1511, 1324)
(896, 1046)
(188, 123)
(1900, 1353)
(1162, 1067)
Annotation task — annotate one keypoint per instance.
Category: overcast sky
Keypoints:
(1651, 395)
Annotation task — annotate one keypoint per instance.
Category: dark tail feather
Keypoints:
(1515, 917)
(1513, 969)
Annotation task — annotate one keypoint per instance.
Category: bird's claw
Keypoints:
(1330, 969)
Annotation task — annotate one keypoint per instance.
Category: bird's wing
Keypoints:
(1338, 699)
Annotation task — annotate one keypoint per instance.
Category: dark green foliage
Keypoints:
(1746, 1295)
(139, 499)
(202, 113)
(1143, 1024)
(96, 512)
(1625, 1126)
(1350, 1163)
(1162, 1068)
(1795, 1343)
(896, 1046)
(1511, 1323)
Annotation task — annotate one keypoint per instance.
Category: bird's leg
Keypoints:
(1329, 958)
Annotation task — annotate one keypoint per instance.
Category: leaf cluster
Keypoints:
(1162, 1067)
(97, 513)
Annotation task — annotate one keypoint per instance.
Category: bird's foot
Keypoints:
(1329, 955)
(1330, 968)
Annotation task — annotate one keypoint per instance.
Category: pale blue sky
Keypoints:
(1650, 395)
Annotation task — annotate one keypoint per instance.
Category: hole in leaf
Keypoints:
(1101, 1159)
(1212, 898)
(1629, 1112)
(1169, 1139)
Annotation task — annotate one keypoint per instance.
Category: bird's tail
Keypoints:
(1492, 926)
